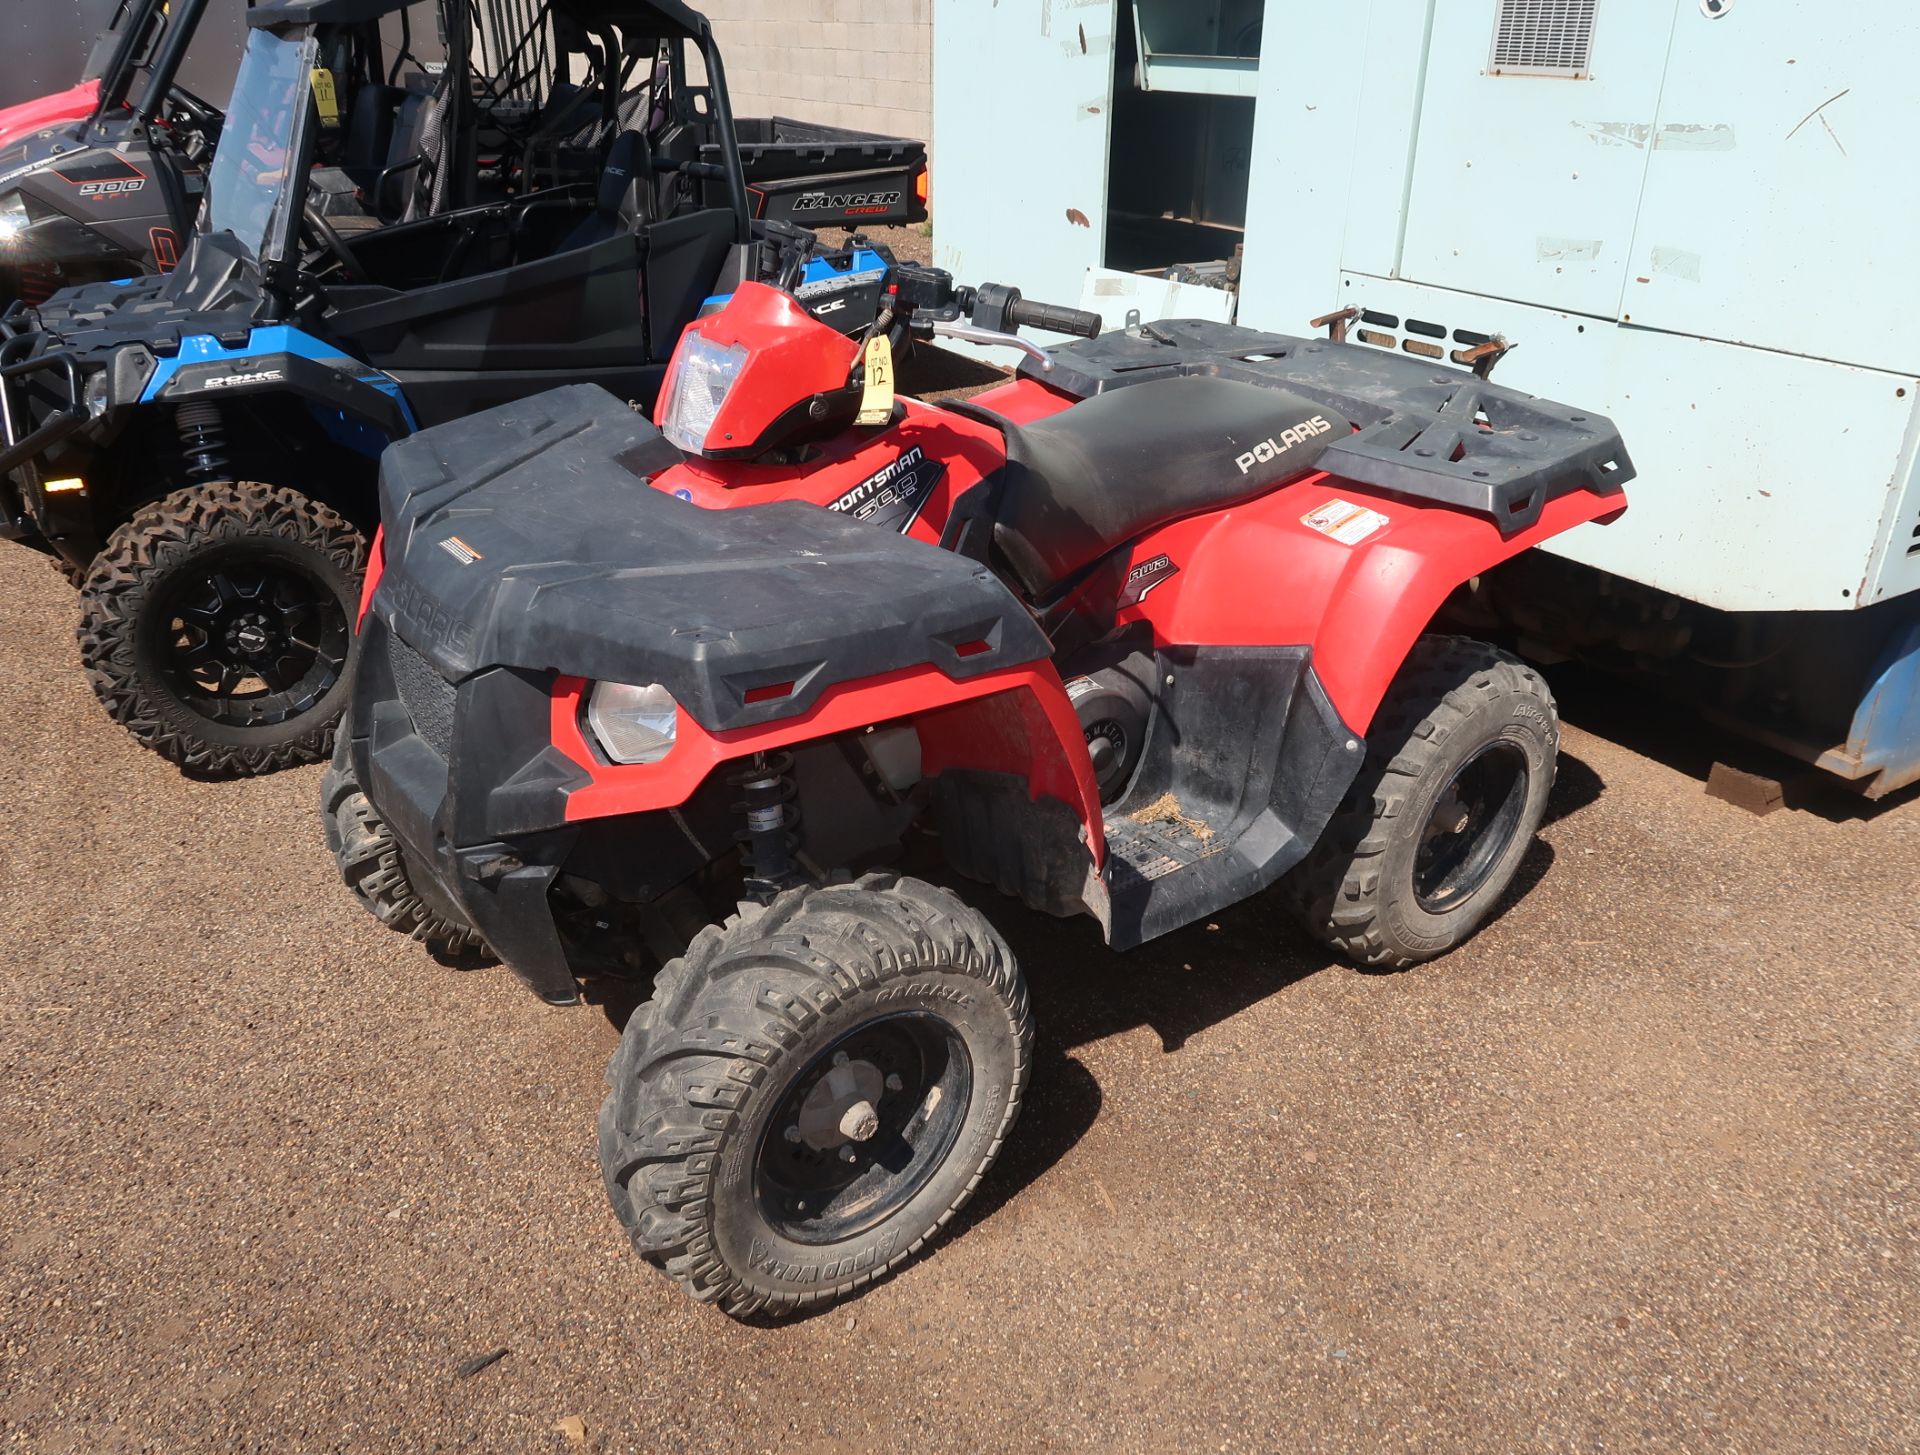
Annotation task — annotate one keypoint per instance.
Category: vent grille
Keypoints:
(1543, 38)
(428, 696)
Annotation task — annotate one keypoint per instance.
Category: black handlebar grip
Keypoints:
(1025, 313)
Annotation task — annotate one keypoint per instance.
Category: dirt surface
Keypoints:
(1632, 1171)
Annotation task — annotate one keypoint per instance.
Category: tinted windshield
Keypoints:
(250, 187)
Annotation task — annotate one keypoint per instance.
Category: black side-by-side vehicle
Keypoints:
(199, 450)
(104, 179)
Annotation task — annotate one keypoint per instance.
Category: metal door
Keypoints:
(1782, 199)
(1534, 126)
(1021, 91)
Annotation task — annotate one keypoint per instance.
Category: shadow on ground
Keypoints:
(1177, 986)
(1674, 735)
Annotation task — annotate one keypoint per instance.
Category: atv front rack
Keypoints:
(1425, 430)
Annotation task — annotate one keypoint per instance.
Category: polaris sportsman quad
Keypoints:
(1139, 634)
(97, 181)
(201, 447)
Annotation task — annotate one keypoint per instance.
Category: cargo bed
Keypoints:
(826, 176)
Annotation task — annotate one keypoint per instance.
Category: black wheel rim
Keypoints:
(1470, 826)
(251, 641)
(818, 1183)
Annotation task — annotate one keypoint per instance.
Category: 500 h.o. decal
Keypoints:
(895, 494)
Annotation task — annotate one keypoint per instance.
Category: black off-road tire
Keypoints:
(74, 576)
(122, 599)
(1456, 702)
(370, 864)
(753, 1013)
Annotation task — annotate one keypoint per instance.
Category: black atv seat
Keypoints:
(625, 195)
(1094, 476)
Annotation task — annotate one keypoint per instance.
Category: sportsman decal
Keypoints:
(894, 495)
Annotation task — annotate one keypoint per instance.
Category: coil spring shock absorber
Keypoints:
(768, 840)
(203, 440)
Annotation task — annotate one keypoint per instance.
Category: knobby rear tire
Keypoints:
(1454, 698)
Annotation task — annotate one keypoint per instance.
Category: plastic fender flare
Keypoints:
(1391, 593)
(1260, 576)
(376, 568)
(1017, 720)
(338, 387)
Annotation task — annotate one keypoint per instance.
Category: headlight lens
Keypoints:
(633, 724)
(703, 372)
(13, 217)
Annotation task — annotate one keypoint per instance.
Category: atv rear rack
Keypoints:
(1425, 430)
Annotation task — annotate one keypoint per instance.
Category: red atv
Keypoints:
(1139, 634)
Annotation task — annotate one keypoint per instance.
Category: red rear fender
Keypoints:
(1357, 574)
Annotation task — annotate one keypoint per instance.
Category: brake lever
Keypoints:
(967, 333)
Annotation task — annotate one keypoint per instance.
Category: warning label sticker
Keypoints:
(1346, 522)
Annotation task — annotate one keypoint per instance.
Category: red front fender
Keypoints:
(76, 103)
(1015, 721)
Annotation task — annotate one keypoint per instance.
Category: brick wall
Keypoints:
(859, 63)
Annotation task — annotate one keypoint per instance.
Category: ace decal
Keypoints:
(894, 496)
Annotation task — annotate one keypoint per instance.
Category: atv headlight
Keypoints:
(633, 724)
(703, 372)
(13, 217)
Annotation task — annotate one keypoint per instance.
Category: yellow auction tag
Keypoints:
(324, 99)
(876, 401)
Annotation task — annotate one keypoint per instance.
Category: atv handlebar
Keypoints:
(1000, 308)
(1054, 318)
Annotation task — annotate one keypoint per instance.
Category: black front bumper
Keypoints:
(465, 777)
(42, 391)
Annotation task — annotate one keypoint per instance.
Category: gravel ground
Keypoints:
(1632, 1171)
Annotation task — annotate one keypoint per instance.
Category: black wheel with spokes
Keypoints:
(250, 640)
(217, 626)
(813, 1091)
(1460, 760)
